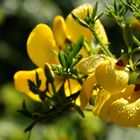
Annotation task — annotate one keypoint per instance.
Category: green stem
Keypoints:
(103, 46)
(136, 41)
(135, 50)
(130, 59)
(29, 135)
(131, 63)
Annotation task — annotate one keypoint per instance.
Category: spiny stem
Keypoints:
(104, 48)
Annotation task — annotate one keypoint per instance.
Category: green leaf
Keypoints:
(79, 21)
(76, 60)
(79, 110)
(78, 47)
(32, 87)
(38, 81)
(127, 34)
(94, 11)
(75, 51)
(132, 77)
(42, 96)
(24, 105)
(115, 7)
(62, 59)
(25, 113)
(49, 73)
(122, 11)
(137, 65)
(98, 17)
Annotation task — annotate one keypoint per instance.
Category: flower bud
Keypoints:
(49, 73)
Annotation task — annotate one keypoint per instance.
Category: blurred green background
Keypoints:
(17, 19)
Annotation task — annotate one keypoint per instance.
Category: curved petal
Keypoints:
(41, 46)
(74, 29)
(21, 84)
(87, 89)
(104, 113)
(110, 78)
(60, 32)
(89, 64)
(102, 97)
(124, 113)
(101, 32)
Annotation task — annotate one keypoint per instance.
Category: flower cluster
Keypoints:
(75, 68)
(115, 98)
(44, 44)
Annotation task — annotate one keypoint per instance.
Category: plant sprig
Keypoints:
(89, 21)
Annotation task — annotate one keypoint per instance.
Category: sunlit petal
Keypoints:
(102, 97)
(101, 32)
(87, 89)
(41, 45)
(105, 110)
(60, 32)
(33, 96)
(125, 113)
(89, 64)
(111, 78)
(75, 30)
(21, 83)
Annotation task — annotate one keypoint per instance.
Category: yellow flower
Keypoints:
(122, 108)
(74, 29)
(105, 73)
(43, 45)
(115, 100)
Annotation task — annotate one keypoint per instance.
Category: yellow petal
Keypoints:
(21, 84)
(101, 32)
(33, 96)
(102, 97)
(89, 64)
(74, 87)
(104, 113)
(87, 89)
(60, 32)
(74, 29)
(124, 113)
(41, 46)
(110, 78)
